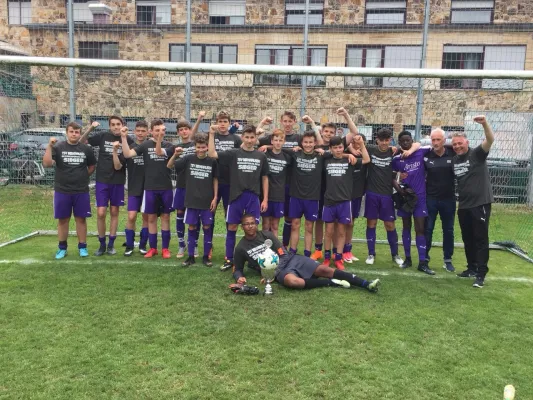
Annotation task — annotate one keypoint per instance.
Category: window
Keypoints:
(382, 57)
(289, 55)
(64, 120)
(98, 50)
(205, 53)
(472, 11)
(227, 12)
(81, 10)
(19, 12)
(295, 12)
(483, 57)
(385, 12)
(131, 121)
(103, 120)
(25, 120)
(153, 12)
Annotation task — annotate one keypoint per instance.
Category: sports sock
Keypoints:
(230, 244)
(347, 248)
(286, 233)
(316, 283)
(165, 239)
(421, 247)
(392, 237)
(406, 240)
(152, 238)
(293, 251)
(62, 245)
(338, 256)
(352, 278)
(143, 238)
(111, 242)
(334, 250)
(307, 253)
(371, 241)
(180, 230)
(208, 241)
(130, 238)
(102, 241)
(197, 235)
(327, 255)
(82, 245)
(318, 246)
(190, 242)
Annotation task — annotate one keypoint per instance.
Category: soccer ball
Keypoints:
(268, 259)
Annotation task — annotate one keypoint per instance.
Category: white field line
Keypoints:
(176, 263)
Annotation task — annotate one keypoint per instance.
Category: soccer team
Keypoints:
(282, 174)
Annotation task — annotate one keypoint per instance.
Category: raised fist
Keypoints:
(307, 119)
(201, 114)
(116, 145)
(213, 129)
(267, 120)
(178, 151)
(342, 111)
(124, 131)
(52, 141)
(95, 124)
(480, 119)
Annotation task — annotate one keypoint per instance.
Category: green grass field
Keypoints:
(116, 327)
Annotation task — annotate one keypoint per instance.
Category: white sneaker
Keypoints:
(181, 252)
(341, 283)
(196, 252)
(370, 260)
(398, 260)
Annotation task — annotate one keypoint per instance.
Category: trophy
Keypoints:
(268, 261)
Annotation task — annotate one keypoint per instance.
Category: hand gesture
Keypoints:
(320, 151)
(342, 112)
(213, 129)
(296, 148)
(241, 280)
(307, 119)
(124, 132)
(358, 139)
(264, 205)
(236, 125)
(52, 141)
(263, 149)
(95, 124)
(403, 176)
(480, 119)
(351, 159)
(116, 145)
(213, 205)
(178, 151)
(407, 153)
(259, 131)
(394, 149)
(266, 121)
(201, 114)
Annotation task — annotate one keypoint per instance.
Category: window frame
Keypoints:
(98, 71)
(19, 2)
(302, 12)
(446, 84)
(363, 64)
(203, 51)
(452, 9)
(155, 7)
(386, 11)
(227, 17)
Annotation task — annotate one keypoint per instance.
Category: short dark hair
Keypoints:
(309, 134)
(74, 125)
(335, 141)
(156, 122)
(223, 115)
(183, 123)
(248, 216)
(115, 117)
(141, 124)
(384, 134)
(248, 129)
(200, 138)
(404, 133)
(289, 114)
(329, 125)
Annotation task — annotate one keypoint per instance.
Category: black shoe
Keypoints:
(448, 266)
(407, 263)
(189, 261)
(100, 252)
(124, 244)
(467, 273)
(143, 250)
(206, 261)
(244, 289)
(423, 267)
(128, 252)
(478, 283)
(227, 265)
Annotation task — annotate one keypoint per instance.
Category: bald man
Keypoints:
(440, 192)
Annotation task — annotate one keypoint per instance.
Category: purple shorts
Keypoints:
(308, 208)
(246, 203)
(108, 193)
(340, 212)
(356, 207)
(193, 216)
(66, 204)
(223, 193)
(420, 210)
(135, 203)
(179, 199)
(287, 201)
(155, 201)
(276, 209)
(378, 206)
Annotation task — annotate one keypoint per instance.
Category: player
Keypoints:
(248, 176)
(294, 271)
(157, 184)
(200, 173)
(74, 163)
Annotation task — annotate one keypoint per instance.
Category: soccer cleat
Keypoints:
(227, 265)
(370, 259)
(354, 258)
(407, 263)
(83, 252)
(111, 251)
(479, 282)
(61, 253)
(165, 253)
(207, 261)
(128, 252)
(243, 289)
(347, 257)
(467, 273)
(100, 251)
(339, 264)
(181, 252)
(317, 255)
(423, 267)
(341, 283)
(326, 262)
(373, 286)
(143, 250)
(210, 255)
(448, 266)
(397, 260)
(189, 261)
(151, 253)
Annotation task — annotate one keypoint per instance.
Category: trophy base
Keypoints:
(268, 290)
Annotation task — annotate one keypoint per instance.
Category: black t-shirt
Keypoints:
(135, 167)
(278, 165)
(156, 173)
(224, 143)
(339, 180)
(379, 178)
(105, 169)
(440, 180)
(246, 169)
(199, 174)
(473, 180)
(247, 251)
(71, 165)
(291, 141)
(188, 148)
(306, 175)
(359, 181)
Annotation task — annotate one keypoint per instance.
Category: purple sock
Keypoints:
(318, 246)
(130, 238)
(421, 247)
(334, 250)
(197, 235)
(143, 238)
(62, 245)
(327, 255)
(286, 233)
(102, 241)
(111, 242)
(152, 238)
(82, 245)
(293, 251)
(180, 230)
(392, 237)
(406, 240)
(191, 237)
(230, 244)
(307, 253)
(338, 256)
(347, 248)
(371, 241)
(208, 241)
(165, 239)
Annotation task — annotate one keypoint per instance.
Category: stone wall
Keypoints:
(265, 12)
(344, 12)
(10, 110)
(506, 11)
